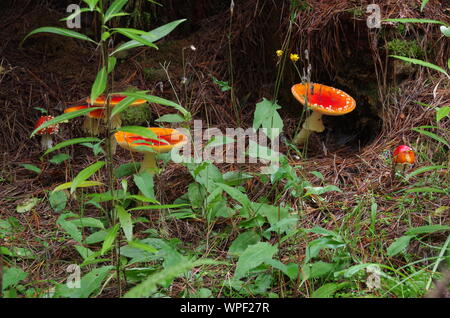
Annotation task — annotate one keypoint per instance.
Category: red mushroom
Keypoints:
(404, 155)
(322, 100)
(46, 132)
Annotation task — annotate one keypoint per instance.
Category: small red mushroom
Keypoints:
(404, 155)
(47, 132)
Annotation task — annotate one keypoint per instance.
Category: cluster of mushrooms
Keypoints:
(167, 138)
(320, 99)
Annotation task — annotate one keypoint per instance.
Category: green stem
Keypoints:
(149, 163)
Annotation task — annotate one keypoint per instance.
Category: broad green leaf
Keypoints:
(125, 222)
(123, 104)
(432, 135)
(399, 245)
(266, 116)
(88, 222)
(427, 229)
(135, 37)
(70, 227)
(328, 290)
(421, 63)
(84, 184)
(99, 85)
(156, 100)
(254, 256)
(63, 118)
(425, 190)
(114, 8)
(317, 270)
(443, 111)
(149, 286)
(59, 158)
(142, 246)
(151, 36)
(31, 168)
(141, 131)
(60, 31)
(144, 182)
(112, 61)
(170, 118)
(27, 205)
(91, 4)
(110, 238)
(85, 174)
(236, 194)
(71, 142)
(321, 190)
(158, 207)
(58, 200)
(12, 276)
(424, 169)
(127, 169)
(414, 20)
(84, 251)
(242, 242)
(90, 282)
(424, 3)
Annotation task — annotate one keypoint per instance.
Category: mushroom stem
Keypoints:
(149, 163)
(46, 141)
(312, 124)
(92, 126)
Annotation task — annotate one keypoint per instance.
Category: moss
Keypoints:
(405, 48)
(136, 115)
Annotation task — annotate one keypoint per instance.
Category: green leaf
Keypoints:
(91, 4)
(432, 135)
(144, 182)
(414, 20)
(242, 242)
(424, 3)
(110, 238)
(135, 37)
(317, 270)
(424, 169)
(112, 61)
(142, 246)
(123, 104)
(88, 222)
(427, 229)
(63, 118)
(60, 31)
(31, 168)
(321, 190)
(266, 116)
(91, 282)
(328, 290)
(236, 195)
(85, 174)
(151, 36)
(149, 286)
(27, 205)
(127, 169)
(70, 227)
(12, 276)
(141, 131)
(57, 159)
(170, 118)
(99, 85)
(125, 222)
(114, 8)
(75, 14)
(399, 245)
(58, 200)
(254, 256)
(425, 190)
(71, 142)
(84, 184)
(158, 207)
(421, 63)
(442, 111)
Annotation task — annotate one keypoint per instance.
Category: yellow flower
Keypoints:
(279, 53)
(294, 57)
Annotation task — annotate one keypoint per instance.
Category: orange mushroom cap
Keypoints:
(115, 99)
(324, 99)
(97, 113)
(173, 137)
(404, 155)
(49, 130)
